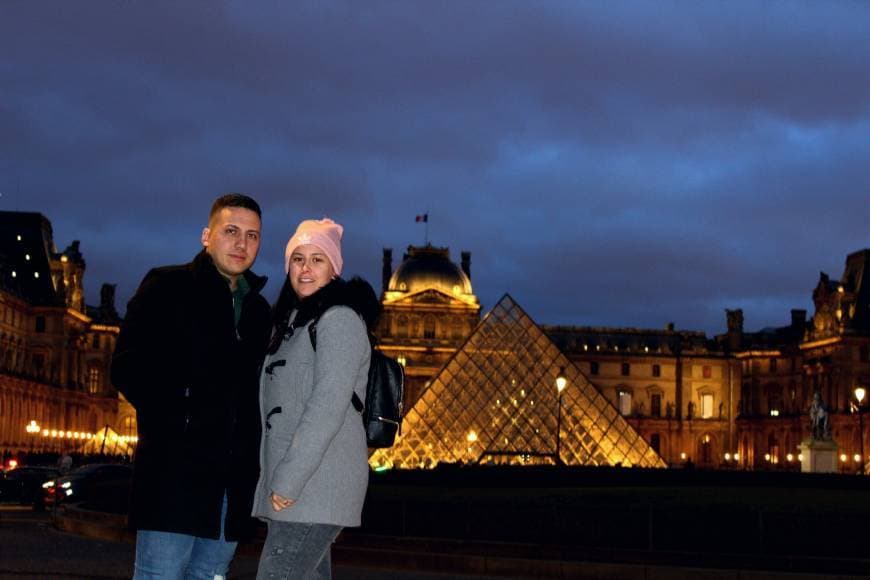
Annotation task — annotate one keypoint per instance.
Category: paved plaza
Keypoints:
(30, 548)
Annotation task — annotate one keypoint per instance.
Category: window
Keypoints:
(128, 428)
(771, 365)
(593, 368)
(95, 342)
(402, 326)
(706, 406)
(655, 406)
(626, 369)
(707, 372)
(657, 370)
(655, 441)
(429, 327)
(38, 362)
(40, 324)
(94, 380)
(624, 403)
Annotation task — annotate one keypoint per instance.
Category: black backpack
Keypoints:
(382, 412)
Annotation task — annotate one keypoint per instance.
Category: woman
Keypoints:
(314, 469)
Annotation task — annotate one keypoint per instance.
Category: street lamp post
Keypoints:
(33, 430)
(860, 392)
(561, 383)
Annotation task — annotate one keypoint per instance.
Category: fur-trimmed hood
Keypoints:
(355, 293)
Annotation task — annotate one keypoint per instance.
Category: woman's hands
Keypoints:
(280, 503)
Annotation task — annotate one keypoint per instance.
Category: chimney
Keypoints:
(734, 319)
(466, 264)
(107, 297)
(798, 318)
(387, 271)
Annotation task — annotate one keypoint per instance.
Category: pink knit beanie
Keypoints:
(325, 234)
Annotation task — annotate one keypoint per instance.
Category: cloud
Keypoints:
(621, 163)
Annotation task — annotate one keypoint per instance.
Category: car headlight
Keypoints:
(66, 485)
(69, 492)
(48, 484)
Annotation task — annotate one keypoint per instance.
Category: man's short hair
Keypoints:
(235, 200)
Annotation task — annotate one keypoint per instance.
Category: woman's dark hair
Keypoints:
(286, 303)
(355, 293)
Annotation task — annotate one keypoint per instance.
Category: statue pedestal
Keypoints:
(818, 456)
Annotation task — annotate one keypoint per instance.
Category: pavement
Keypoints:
(80, 544)
(32, 548)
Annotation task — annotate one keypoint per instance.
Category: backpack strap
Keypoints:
(357, 404)
(312, 335)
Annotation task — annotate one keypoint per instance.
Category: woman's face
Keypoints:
(310, 270)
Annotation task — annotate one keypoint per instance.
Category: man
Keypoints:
(187, 359)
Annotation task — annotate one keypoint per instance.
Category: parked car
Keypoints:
(24, 484)
(84, 483)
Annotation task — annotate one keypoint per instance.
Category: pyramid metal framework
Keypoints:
(495, 401)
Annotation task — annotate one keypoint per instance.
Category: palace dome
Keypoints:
(427, 267)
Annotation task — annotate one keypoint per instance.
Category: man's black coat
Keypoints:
(192, 376)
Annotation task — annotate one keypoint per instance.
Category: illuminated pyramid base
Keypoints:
(495, 402)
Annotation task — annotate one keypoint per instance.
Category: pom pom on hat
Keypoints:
(325, 234)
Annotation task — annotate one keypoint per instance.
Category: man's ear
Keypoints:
(204, 238)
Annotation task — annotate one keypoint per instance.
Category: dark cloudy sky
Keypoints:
(607, 163)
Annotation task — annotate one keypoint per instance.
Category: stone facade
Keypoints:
(782, 368)
(738, 400)
(676, 388)
(735, 401)
(55, 351)
(429, 311)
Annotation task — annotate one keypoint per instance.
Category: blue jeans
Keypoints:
(297, 551)
(171, 556)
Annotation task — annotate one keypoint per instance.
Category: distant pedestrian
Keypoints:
(64, 464)
(314, 456)
(187, 359)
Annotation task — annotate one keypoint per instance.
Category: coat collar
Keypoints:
(356, 294)
(203, 269)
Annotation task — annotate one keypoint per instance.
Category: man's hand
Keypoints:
(280, 503)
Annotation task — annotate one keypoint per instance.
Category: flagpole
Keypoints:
(427, 225)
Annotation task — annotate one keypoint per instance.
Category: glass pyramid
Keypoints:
(495, 402)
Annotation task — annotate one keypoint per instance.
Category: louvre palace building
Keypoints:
(483, 386)
(55, 352)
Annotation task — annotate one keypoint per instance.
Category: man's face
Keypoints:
(232, 239)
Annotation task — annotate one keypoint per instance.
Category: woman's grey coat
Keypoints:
(314, 446)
